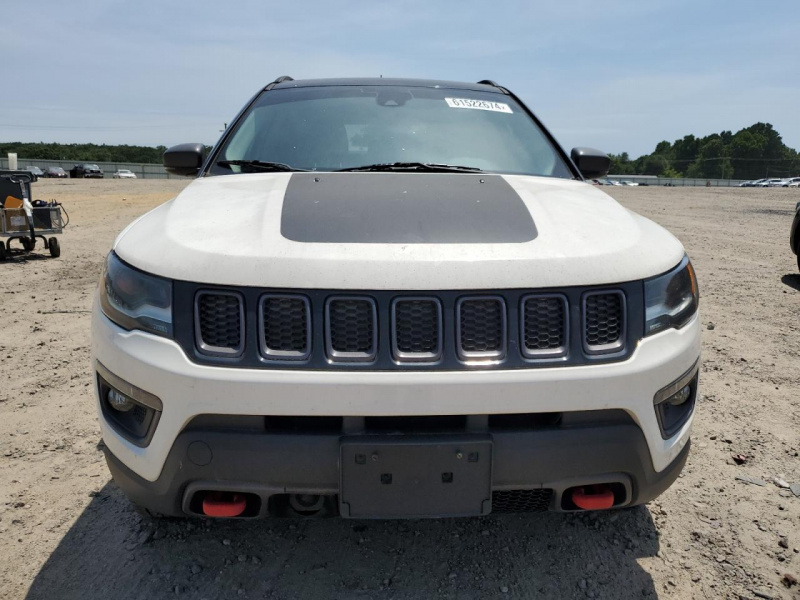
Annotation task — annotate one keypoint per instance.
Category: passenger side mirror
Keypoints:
(590, 162)
(184, 159)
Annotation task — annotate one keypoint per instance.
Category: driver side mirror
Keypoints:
(184, 159)
(590, 162)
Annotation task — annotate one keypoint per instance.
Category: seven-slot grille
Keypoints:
(351, 328)
(285, 327)
(604, 321)
(416, 329)
(544, 329)
(321, 329)
(219, 323)
(481, 327)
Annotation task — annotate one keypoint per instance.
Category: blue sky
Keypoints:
(618, 75)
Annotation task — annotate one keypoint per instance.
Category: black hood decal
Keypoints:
(404, 208)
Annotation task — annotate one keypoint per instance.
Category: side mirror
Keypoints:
(590, 162)
(184, 159)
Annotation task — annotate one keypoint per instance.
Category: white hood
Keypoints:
(226, 230)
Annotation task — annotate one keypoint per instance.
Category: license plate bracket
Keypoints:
(415, 476)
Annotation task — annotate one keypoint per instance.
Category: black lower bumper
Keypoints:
(273, 465)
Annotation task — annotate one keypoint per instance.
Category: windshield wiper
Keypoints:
(257, 166)
(416, 166)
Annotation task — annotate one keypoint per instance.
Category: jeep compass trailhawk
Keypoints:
(393, 298)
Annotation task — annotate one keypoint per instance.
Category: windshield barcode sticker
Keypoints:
(478, 104)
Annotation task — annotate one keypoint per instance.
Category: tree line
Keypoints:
(750, 153)
(84, 152)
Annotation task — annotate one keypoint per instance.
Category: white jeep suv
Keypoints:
(393, 298)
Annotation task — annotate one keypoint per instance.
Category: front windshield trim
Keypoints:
(561, 156)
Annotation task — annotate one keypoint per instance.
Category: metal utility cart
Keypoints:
(25, 220)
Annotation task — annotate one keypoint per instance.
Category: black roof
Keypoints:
(357, 81)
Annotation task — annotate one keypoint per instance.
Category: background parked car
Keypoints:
(56, 172)
(124, 174)
(86, 170)
(35, 170)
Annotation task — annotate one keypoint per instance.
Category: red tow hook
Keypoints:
(223, 504)
(593, 497)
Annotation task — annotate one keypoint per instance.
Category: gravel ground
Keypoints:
(67, 532)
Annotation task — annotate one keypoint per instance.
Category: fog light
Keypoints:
(130, 411)
(119, 401)
(674, 403)
(680, 397)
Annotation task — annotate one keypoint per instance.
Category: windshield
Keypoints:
(343, 127)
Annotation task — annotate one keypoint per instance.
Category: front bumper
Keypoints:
(546, 463)
(160, 471)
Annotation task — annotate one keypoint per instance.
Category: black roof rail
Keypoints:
(493, 84)
(280, 79)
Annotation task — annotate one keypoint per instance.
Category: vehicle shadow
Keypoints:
(792, 280)
(111, 552)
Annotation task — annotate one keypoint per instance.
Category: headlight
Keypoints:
(135, 300)
(671, 299)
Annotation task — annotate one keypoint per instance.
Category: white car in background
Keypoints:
(791, 182)
(771, 183)
(124, 174)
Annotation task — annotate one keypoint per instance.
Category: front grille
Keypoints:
(219, 323)
(351, 329)
(285, 327)
(386, 330)
(604, 321)
(481, 327)
(544, 326)
(515, 501)
(417, 329)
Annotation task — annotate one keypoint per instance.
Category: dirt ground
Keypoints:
(67, 532)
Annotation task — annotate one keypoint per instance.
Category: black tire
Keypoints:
(55, 248)
(27, 244)
(2, 251)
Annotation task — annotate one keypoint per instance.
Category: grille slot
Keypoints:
(481, 323)
(603, 321)
(285, 327)
(514, 501)
(416, 329)
(219, 323)
(351, 329)
(544, 326)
